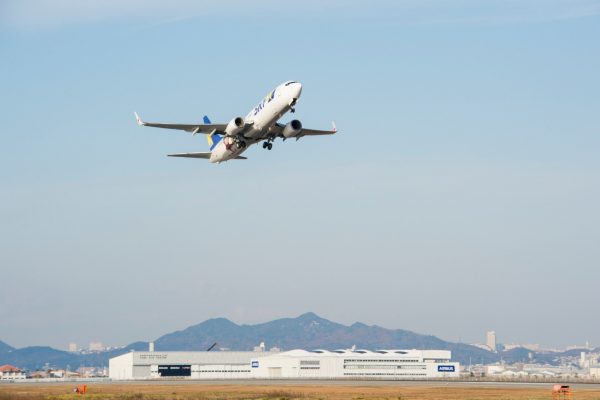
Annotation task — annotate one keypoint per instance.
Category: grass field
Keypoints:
(272, 392)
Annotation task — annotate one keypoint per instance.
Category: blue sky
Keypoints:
(459, 196)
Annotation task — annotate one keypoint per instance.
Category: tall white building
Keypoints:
(490, 340)
(72, 347)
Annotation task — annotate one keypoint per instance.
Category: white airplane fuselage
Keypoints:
(261, 120)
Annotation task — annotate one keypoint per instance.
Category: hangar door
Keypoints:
(175, 370)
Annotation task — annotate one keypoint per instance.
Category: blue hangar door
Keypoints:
(175, 370)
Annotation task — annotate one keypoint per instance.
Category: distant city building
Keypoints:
(88, 372)
(58, 373)
(585, 346)
(595, 372)
(520, 370)
(492, 369)
(96, 346)
(528, 346)
(490, 340)
(72, 347)
(9, 372)
(260, 348)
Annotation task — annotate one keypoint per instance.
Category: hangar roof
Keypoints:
(396, 353)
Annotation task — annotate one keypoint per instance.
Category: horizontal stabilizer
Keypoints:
(199, 155)
(191, 155)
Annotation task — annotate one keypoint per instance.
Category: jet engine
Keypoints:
(292, 129)
(234, 126)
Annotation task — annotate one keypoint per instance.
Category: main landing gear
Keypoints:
(241, 144)
(268, 144)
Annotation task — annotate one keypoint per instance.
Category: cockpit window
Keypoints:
(290, 82)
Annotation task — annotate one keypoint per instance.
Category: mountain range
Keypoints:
(308, 331)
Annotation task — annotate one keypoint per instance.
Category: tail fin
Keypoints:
(212, 138)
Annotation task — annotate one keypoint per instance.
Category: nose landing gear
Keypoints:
(292, 104)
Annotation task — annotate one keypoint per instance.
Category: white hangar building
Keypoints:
(353, 364)
(184, 364)
(294, 364)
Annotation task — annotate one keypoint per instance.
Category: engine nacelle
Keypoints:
(292, 129)
(234, 126)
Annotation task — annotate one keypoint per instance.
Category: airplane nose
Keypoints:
(297, 90)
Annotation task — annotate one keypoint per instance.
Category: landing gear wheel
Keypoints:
(268, 144)
(241, 144)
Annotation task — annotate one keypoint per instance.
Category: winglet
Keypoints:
(334, 128)
(138, 119)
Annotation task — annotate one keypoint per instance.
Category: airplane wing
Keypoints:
(192, 128)
(200, 155)
(310, 132)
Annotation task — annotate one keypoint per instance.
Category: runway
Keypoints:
(317, 383)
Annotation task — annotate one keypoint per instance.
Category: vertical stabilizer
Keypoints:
(212, 138)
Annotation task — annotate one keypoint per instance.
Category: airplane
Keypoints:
(229, 141)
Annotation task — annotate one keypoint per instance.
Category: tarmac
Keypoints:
(316, 382)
